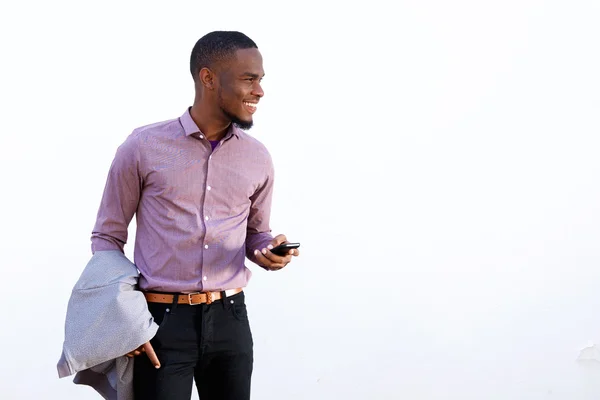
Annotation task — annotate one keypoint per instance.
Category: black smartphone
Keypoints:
(284, 248)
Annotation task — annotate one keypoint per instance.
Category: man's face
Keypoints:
(239, 86)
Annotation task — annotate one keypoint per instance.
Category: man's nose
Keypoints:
(257, 90)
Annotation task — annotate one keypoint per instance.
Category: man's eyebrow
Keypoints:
(252, 75)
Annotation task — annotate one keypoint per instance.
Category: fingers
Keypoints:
(270, 260)
(279, 239)
(287, 258)
(149, 350)
(135, 352)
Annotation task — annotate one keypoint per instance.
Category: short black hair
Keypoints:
(215, 47)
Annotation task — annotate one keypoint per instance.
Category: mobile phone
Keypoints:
(284, 248)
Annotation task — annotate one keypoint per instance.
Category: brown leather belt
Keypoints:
(190, 298)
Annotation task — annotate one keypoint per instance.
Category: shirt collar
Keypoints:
(190, 127)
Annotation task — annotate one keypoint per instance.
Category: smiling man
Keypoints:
(201, 190)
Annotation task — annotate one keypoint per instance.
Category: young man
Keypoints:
(201, 190)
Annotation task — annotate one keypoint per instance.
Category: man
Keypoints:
(201, 189)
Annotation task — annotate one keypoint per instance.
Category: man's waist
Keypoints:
(179, 278)
(190, 298)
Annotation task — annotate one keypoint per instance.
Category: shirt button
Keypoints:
(201, 137)
(206, 246)
(206, 218)
(205, 277)
(208, 188)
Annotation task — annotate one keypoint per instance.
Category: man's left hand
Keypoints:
(271, 261)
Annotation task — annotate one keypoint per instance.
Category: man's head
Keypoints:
(227, 70)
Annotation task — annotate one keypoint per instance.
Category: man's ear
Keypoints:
(207, 78)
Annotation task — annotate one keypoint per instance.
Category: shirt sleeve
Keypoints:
(120, 199)
(258, 234)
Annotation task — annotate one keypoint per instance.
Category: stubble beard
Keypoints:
(245, 125)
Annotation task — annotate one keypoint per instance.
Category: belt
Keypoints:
(190, 298)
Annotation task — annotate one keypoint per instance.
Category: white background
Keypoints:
(438, 161)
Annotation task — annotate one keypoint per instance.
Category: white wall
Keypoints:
(438, 161)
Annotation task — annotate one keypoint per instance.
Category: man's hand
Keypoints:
(146, 348)
(271, 261)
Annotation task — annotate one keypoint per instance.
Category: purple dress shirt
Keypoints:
(199, 212)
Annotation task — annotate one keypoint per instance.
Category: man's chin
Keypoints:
(240, 123)
(245, 125)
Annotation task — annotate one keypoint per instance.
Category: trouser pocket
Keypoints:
(160, 313)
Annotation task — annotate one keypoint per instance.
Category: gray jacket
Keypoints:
(106, 318)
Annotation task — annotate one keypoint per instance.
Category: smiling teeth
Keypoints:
(253, 105)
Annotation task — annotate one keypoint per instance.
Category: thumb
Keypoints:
(277, 240)
(151, 354)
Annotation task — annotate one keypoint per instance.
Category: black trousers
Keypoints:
(209, 343)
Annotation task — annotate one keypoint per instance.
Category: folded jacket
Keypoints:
(106, 319)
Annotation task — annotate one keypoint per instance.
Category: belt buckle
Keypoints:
(190, 299)
(209, 298)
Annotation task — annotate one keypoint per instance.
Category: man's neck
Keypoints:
(211, 127)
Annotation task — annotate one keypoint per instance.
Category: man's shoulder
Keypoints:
(166, 127)
(153, 134)
(252, 142)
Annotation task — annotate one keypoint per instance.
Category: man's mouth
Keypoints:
(251, 107)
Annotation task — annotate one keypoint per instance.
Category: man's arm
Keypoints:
(119, 203)
(120, 199)
(258, 232)
(259, 239)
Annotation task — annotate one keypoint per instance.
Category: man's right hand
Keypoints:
(146, 348)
